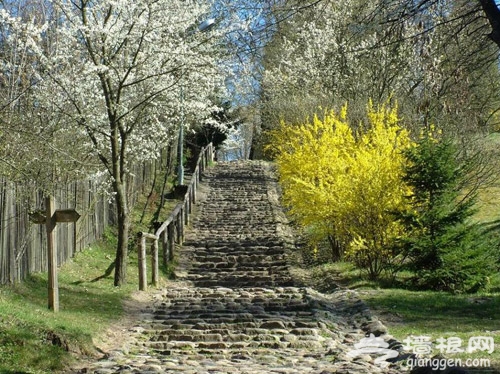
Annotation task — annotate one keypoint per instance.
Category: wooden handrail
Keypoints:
(172, 230)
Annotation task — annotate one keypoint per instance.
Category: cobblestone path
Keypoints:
(235, 308)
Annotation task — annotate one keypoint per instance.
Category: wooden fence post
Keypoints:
(142, 263)
(171, 241)
(164, 247)
(202, 164)
(195, 186)
(154, 264)
(143, 283)
(178, 226)
(187, 206)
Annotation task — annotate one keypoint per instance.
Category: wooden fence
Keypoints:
(172, 230)
(23, 248)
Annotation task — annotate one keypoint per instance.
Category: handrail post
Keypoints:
(171, 241)
(183, 223)
(142, 263)
(178, 226)
(211, 152)
(154, 264)
(164, 247)
(195, 185)
(202, 163)
(143, 283)
(189, 203)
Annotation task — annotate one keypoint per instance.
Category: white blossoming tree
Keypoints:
(111, 73)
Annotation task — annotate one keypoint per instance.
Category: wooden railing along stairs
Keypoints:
(171, 230)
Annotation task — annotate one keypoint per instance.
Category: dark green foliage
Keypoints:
(444, 250)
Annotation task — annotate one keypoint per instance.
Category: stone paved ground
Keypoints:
(234, 308)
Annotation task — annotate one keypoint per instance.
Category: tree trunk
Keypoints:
(490, 9)
(118, 146)
(336, 248)
(123, 231)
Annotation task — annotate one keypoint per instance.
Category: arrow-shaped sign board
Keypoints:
(38, 217)
(66, 215)
(60, 215)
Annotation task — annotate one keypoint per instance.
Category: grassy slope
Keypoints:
(440, 315)
(34, 339)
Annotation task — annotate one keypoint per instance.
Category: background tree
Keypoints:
(28, 150)
(110, 81)
(347, 51)
(474, 13)
(214, 129)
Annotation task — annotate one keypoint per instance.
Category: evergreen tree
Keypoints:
(443, 247)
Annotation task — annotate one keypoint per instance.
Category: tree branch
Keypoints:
(492, 12)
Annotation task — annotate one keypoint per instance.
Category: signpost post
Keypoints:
(52, 216)
(50, 225)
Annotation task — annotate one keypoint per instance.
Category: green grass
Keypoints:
(439, 315)
(423, 313)
(33, 339)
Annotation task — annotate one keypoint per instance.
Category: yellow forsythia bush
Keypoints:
(343, 184)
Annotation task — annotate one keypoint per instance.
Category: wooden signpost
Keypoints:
(50, 219)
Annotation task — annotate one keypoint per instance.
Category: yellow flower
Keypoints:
(345, 186)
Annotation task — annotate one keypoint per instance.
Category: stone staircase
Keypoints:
(235, 242)
(234, 307)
